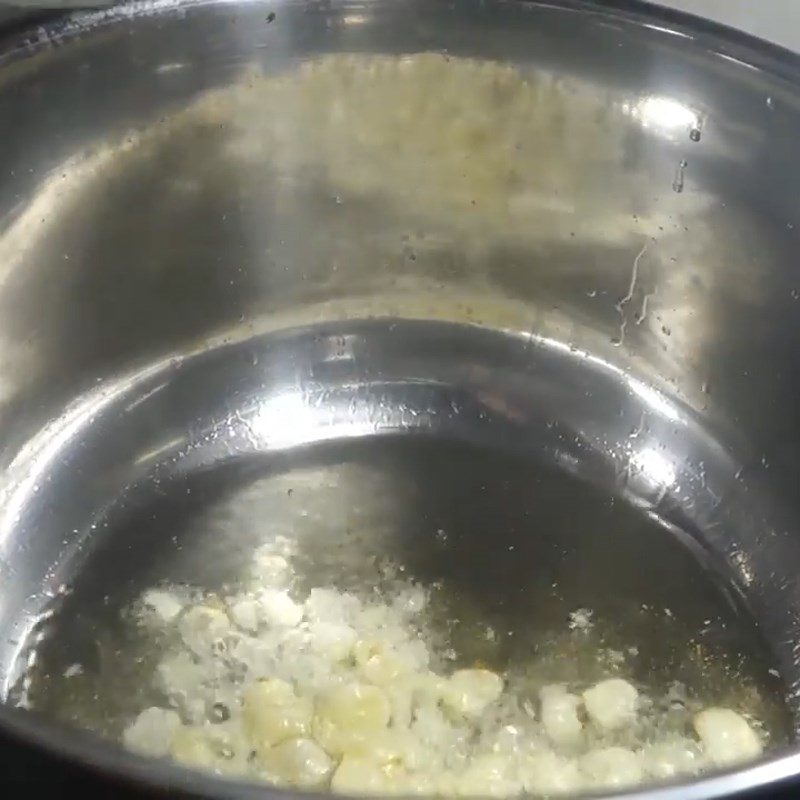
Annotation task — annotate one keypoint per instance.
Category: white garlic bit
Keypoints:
(559, 714)
(547, 773)
(672, 758)
(359, 775)
(214, 748)
(611, 704)
(336, 691)
(611, 768)
(489, 775)
(151, 732)
(346, 716)
(203, 627)
(469, 691)
(726, 736)
(278, 609)
(246, 614)
(298, 763)
(273, 713)
(165, 605)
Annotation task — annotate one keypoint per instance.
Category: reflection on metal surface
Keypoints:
(163, 69)
(293, 418)
(655, 467)
(354, 19)
(655, 400)
(666, 115)
(668, 31)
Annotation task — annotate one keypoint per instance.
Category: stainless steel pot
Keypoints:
(190, 301)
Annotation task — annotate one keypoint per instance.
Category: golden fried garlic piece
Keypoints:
(335, 692)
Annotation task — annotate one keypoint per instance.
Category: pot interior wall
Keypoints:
(215, 288)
